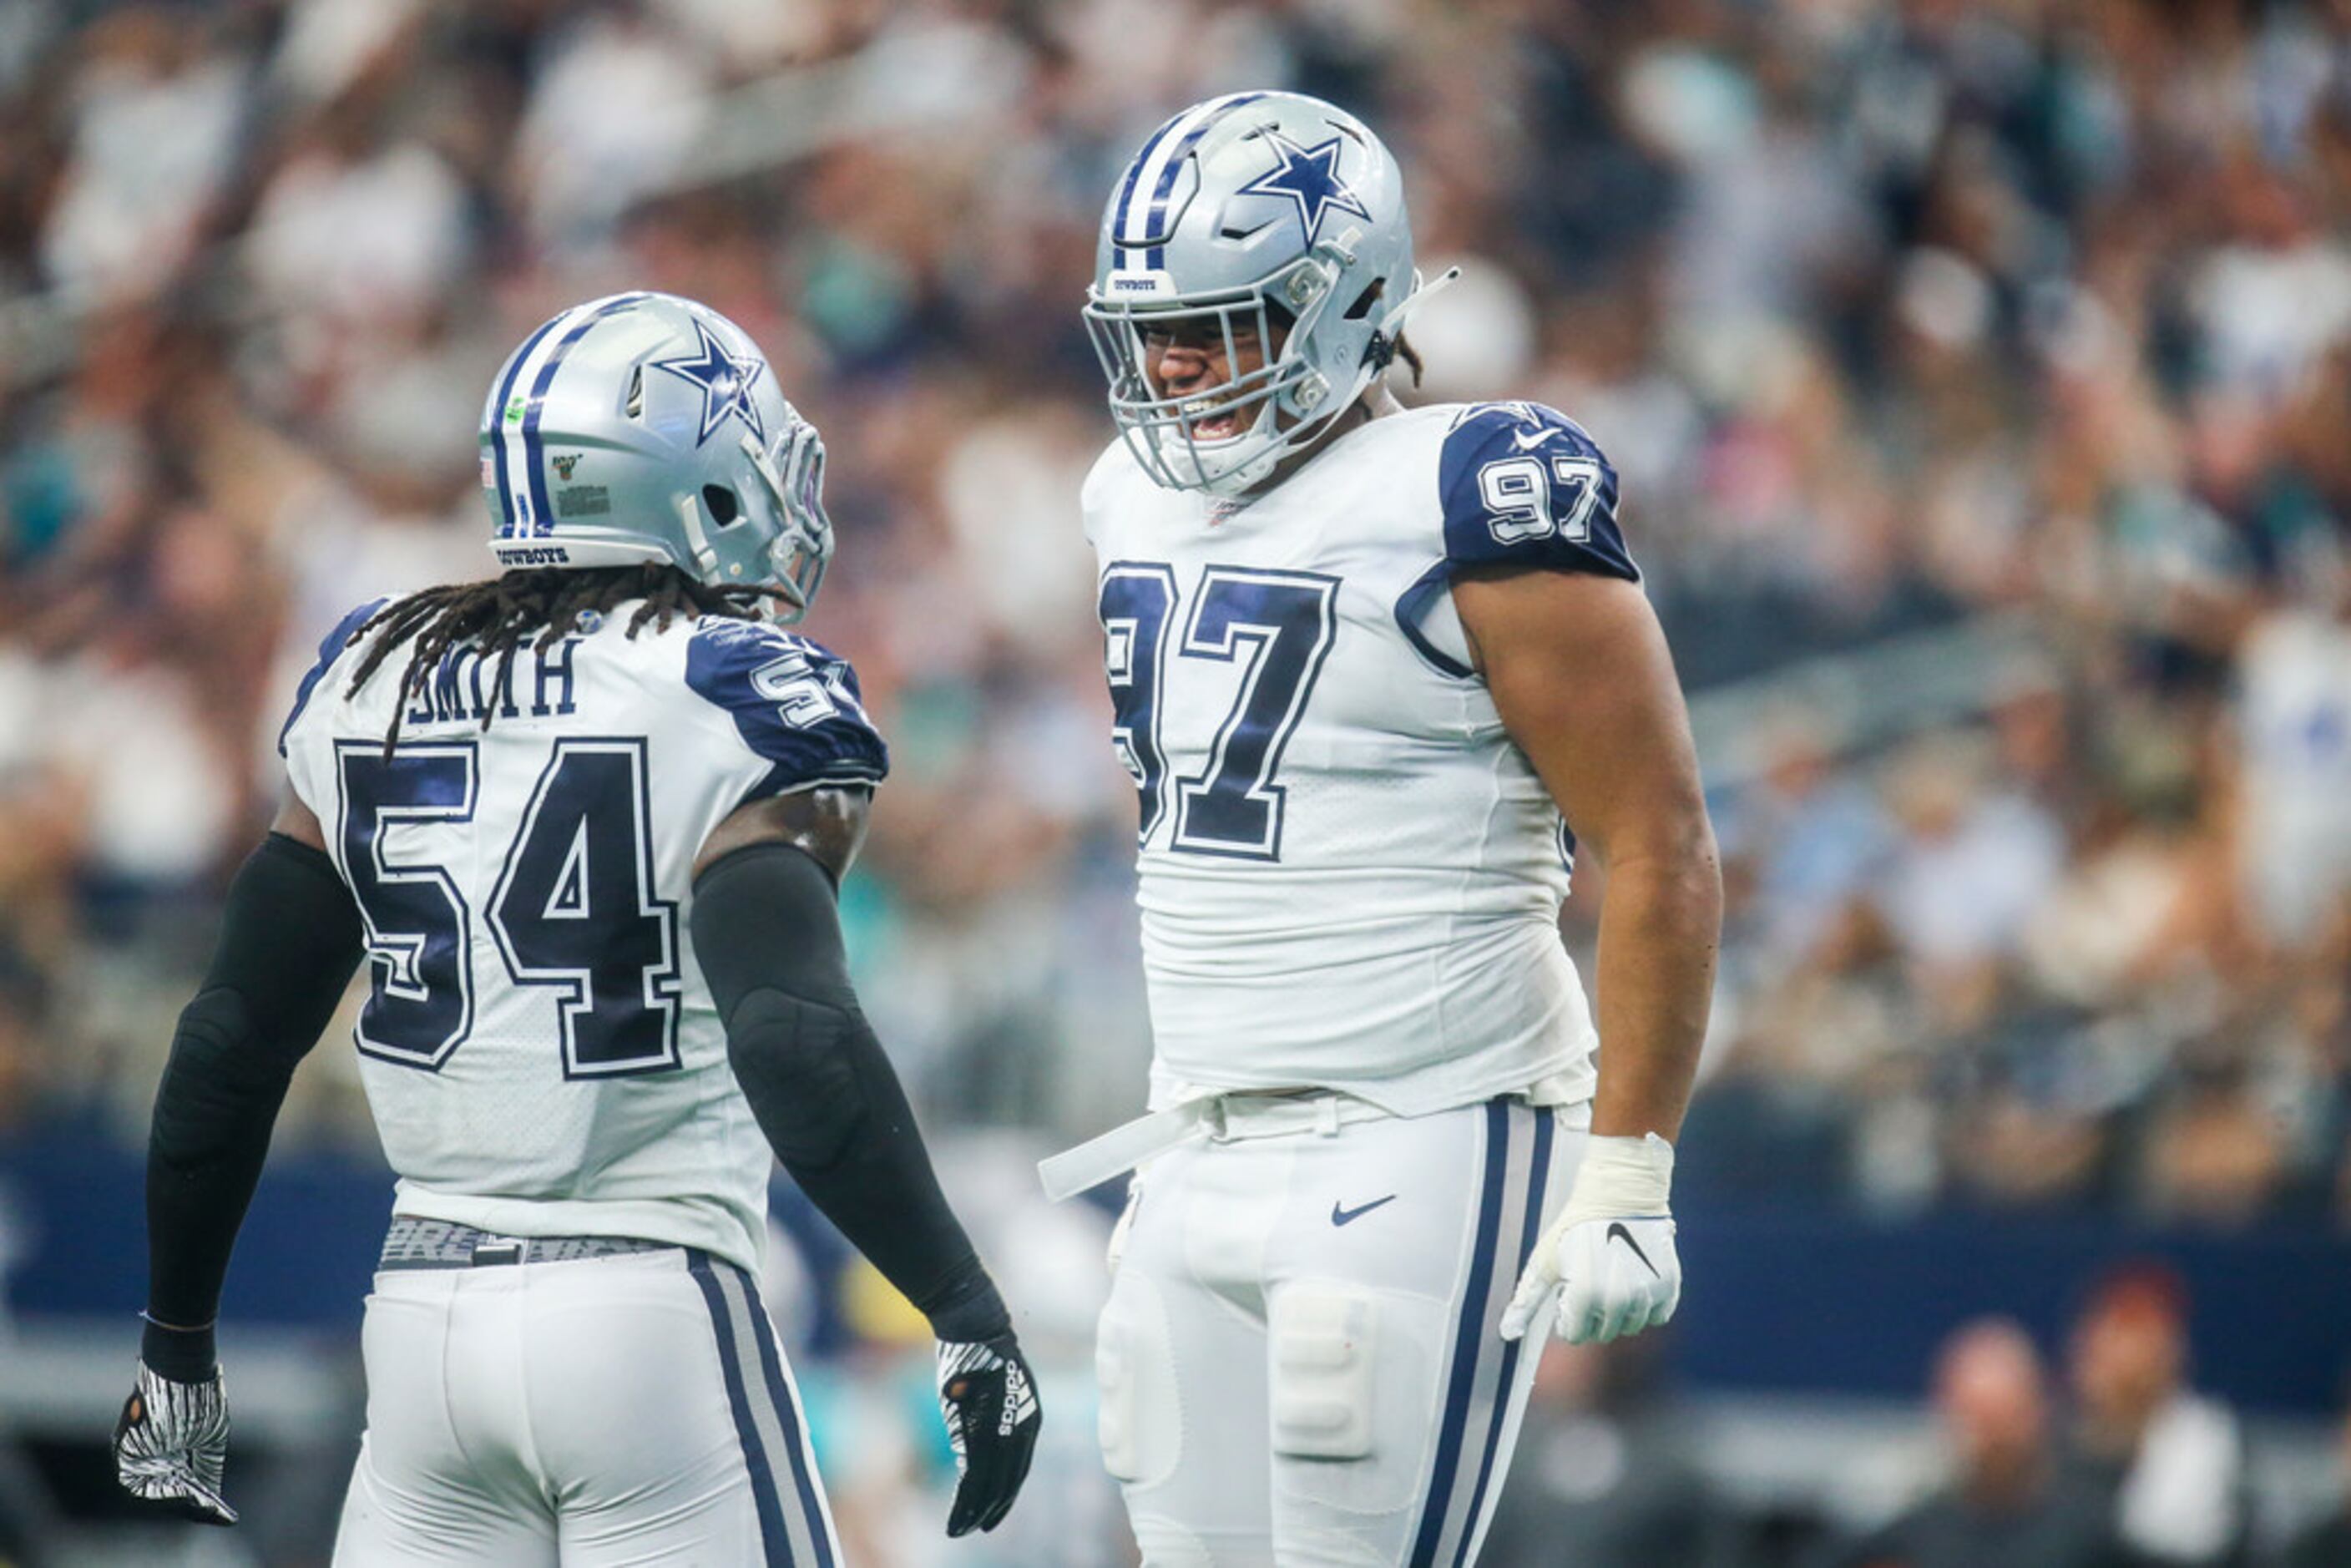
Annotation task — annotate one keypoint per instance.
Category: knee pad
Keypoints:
(1140, 1423)
(1324, 1344)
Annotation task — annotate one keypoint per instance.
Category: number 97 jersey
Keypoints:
(537, 1044)
(1350, 877)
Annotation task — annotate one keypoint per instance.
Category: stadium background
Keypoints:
(1979, 378)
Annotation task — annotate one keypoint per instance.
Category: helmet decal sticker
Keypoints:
(725, 380)
(1310, 177)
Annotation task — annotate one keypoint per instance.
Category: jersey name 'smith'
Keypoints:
(537, 1045)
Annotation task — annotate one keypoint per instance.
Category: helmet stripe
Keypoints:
(1171, 164)
(507, 522)
(587, 315)
(1157, 167)
(1134, 175)
(524, 499)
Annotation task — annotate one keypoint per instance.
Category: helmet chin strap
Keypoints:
(1392, 324)
(1249, 473)
(705, 560)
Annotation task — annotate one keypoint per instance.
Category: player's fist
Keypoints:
(988, 1396)
(171, 1445)
(1613, 1277)
(1608, 1259)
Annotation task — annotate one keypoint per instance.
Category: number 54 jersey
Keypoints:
(539, 1047)
(1350, 877)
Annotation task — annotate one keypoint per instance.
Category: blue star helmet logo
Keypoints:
(726, 382)
(1310, 177)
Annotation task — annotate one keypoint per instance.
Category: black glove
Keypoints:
(171, 1445)
(987, 1397)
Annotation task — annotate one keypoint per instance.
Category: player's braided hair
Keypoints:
(544, 603)
(1409, 355)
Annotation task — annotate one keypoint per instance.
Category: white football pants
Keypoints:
(1298, 1360)
(626, 1409)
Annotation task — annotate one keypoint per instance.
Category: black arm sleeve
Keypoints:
(768, 939)
(289, 939)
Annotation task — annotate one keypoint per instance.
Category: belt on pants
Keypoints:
(414, 1243)
(1225, 1118)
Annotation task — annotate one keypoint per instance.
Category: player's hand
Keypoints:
(1612, 1277)
(988, 1396)
(171, 1445)
(1608, 1258)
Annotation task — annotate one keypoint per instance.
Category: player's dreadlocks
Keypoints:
(1409, 355)
(497, 615)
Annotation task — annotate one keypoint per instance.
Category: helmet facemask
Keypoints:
(794, 487)
(1286, 402)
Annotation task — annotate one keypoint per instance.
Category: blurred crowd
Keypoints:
(2103, 1454)
(1897, 318)
(1903, 319)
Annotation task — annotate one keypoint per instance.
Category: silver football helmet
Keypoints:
(647, 427)
(1254, 211)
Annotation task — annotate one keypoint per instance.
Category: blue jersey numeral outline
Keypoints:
(1280, 626)
(420, 927)
(1136, 603)
(580, 941)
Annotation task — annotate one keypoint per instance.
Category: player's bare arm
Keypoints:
(768, 939)
(826, 825)
(1580, 674)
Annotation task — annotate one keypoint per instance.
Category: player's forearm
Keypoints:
(289, 939)
(214, 1113)
(861, 1160)
(1660, 925)
(769, 942)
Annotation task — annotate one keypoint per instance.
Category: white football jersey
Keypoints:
(1350, 877)
(539, 1045)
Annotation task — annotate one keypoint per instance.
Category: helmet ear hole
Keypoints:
(724, 508)
(1364, 302)
(635, 406)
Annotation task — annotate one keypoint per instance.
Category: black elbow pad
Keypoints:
(212, 1074)
(797, 1061)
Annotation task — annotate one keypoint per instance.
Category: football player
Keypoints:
(1368, 663)
(585, 821)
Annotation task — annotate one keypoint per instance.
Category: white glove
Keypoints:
(171, 1445)
(1609, 1256)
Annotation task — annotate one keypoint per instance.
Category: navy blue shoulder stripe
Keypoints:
(1522, 485)
(795, 704)
(330, 647)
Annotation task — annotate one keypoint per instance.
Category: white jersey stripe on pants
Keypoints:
(797, 1531)
(1476, 1402)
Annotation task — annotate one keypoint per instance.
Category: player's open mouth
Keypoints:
(1206, 421)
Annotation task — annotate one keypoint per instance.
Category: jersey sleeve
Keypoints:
(330, 648)
(795, 704)
(1524, 485)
